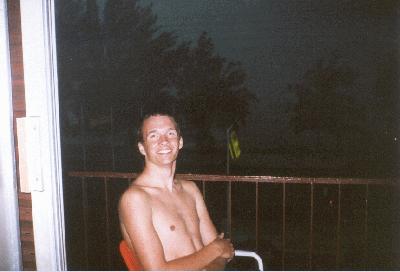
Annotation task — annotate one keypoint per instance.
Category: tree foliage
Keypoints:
(77, 33)
(386, 94)
(139, 58)
(212, 91)
(386, 108)
(324, 99)
(123, 59)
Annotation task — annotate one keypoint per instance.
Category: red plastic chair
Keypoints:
(131, 260)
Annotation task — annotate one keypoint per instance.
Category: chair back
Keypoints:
(131, 260)
(251, 254)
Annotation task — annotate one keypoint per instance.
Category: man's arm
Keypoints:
(207, 228)
(216, 265)
(135, 215)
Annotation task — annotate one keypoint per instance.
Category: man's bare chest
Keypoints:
(175, 214)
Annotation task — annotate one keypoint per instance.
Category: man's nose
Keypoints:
(163, 139)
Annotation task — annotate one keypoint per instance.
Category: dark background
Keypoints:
(311, 87)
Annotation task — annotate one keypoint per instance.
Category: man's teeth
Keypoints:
(164, 151)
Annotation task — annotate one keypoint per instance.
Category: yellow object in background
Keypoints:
(234, 147)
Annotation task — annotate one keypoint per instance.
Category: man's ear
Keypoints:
(141, 149)
(180, 142)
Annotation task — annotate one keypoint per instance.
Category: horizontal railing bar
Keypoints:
(91, 174)
(261, 179)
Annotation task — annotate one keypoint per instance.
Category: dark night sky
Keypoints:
(277, 40)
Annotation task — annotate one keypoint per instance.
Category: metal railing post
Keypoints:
(204, 189)
(283, 225)
(366, 228)
(108, 244)
(257, 215)
(310, 259)
(85, 221)
(229, 210)
(338, 228)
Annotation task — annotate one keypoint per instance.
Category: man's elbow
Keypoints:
(157, 266)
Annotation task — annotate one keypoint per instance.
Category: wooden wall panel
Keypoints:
(17, 74)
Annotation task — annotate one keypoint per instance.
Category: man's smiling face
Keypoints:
(161, 140)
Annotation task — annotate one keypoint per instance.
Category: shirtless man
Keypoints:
(163, 219)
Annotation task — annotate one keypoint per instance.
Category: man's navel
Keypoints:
(172, 227)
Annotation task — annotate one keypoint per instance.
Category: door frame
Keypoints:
(10, 248)
(42, 104)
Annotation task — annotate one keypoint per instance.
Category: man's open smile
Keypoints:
(164, 151)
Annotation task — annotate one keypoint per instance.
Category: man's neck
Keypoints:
(162, 177)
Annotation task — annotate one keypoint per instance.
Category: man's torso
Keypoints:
(175, 219)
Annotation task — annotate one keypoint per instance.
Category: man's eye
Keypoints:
(172, 133)
(152, 136)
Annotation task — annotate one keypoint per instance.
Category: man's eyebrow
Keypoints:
(151, 131)
(158, 129)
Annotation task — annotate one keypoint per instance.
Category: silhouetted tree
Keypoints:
(70, 34)
(141, 60)
(121, 60)
(126, 61)
(211, 91)
(385, 129)
(324, 101)
(386, 94)
(79, 45)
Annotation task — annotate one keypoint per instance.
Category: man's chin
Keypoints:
(163, 160)
(166, 162)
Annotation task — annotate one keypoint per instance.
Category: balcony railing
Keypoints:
(293, 223)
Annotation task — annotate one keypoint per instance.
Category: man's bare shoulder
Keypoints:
(134, 195)
(190, 187)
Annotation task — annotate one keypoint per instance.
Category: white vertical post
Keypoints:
(41, 95)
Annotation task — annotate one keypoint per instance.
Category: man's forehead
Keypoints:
(158, 122)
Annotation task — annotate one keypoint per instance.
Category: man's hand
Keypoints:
(225, 247)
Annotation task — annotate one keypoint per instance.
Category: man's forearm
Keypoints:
(216, 265)
(207, 256)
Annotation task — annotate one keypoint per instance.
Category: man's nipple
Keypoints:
(172, 227)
